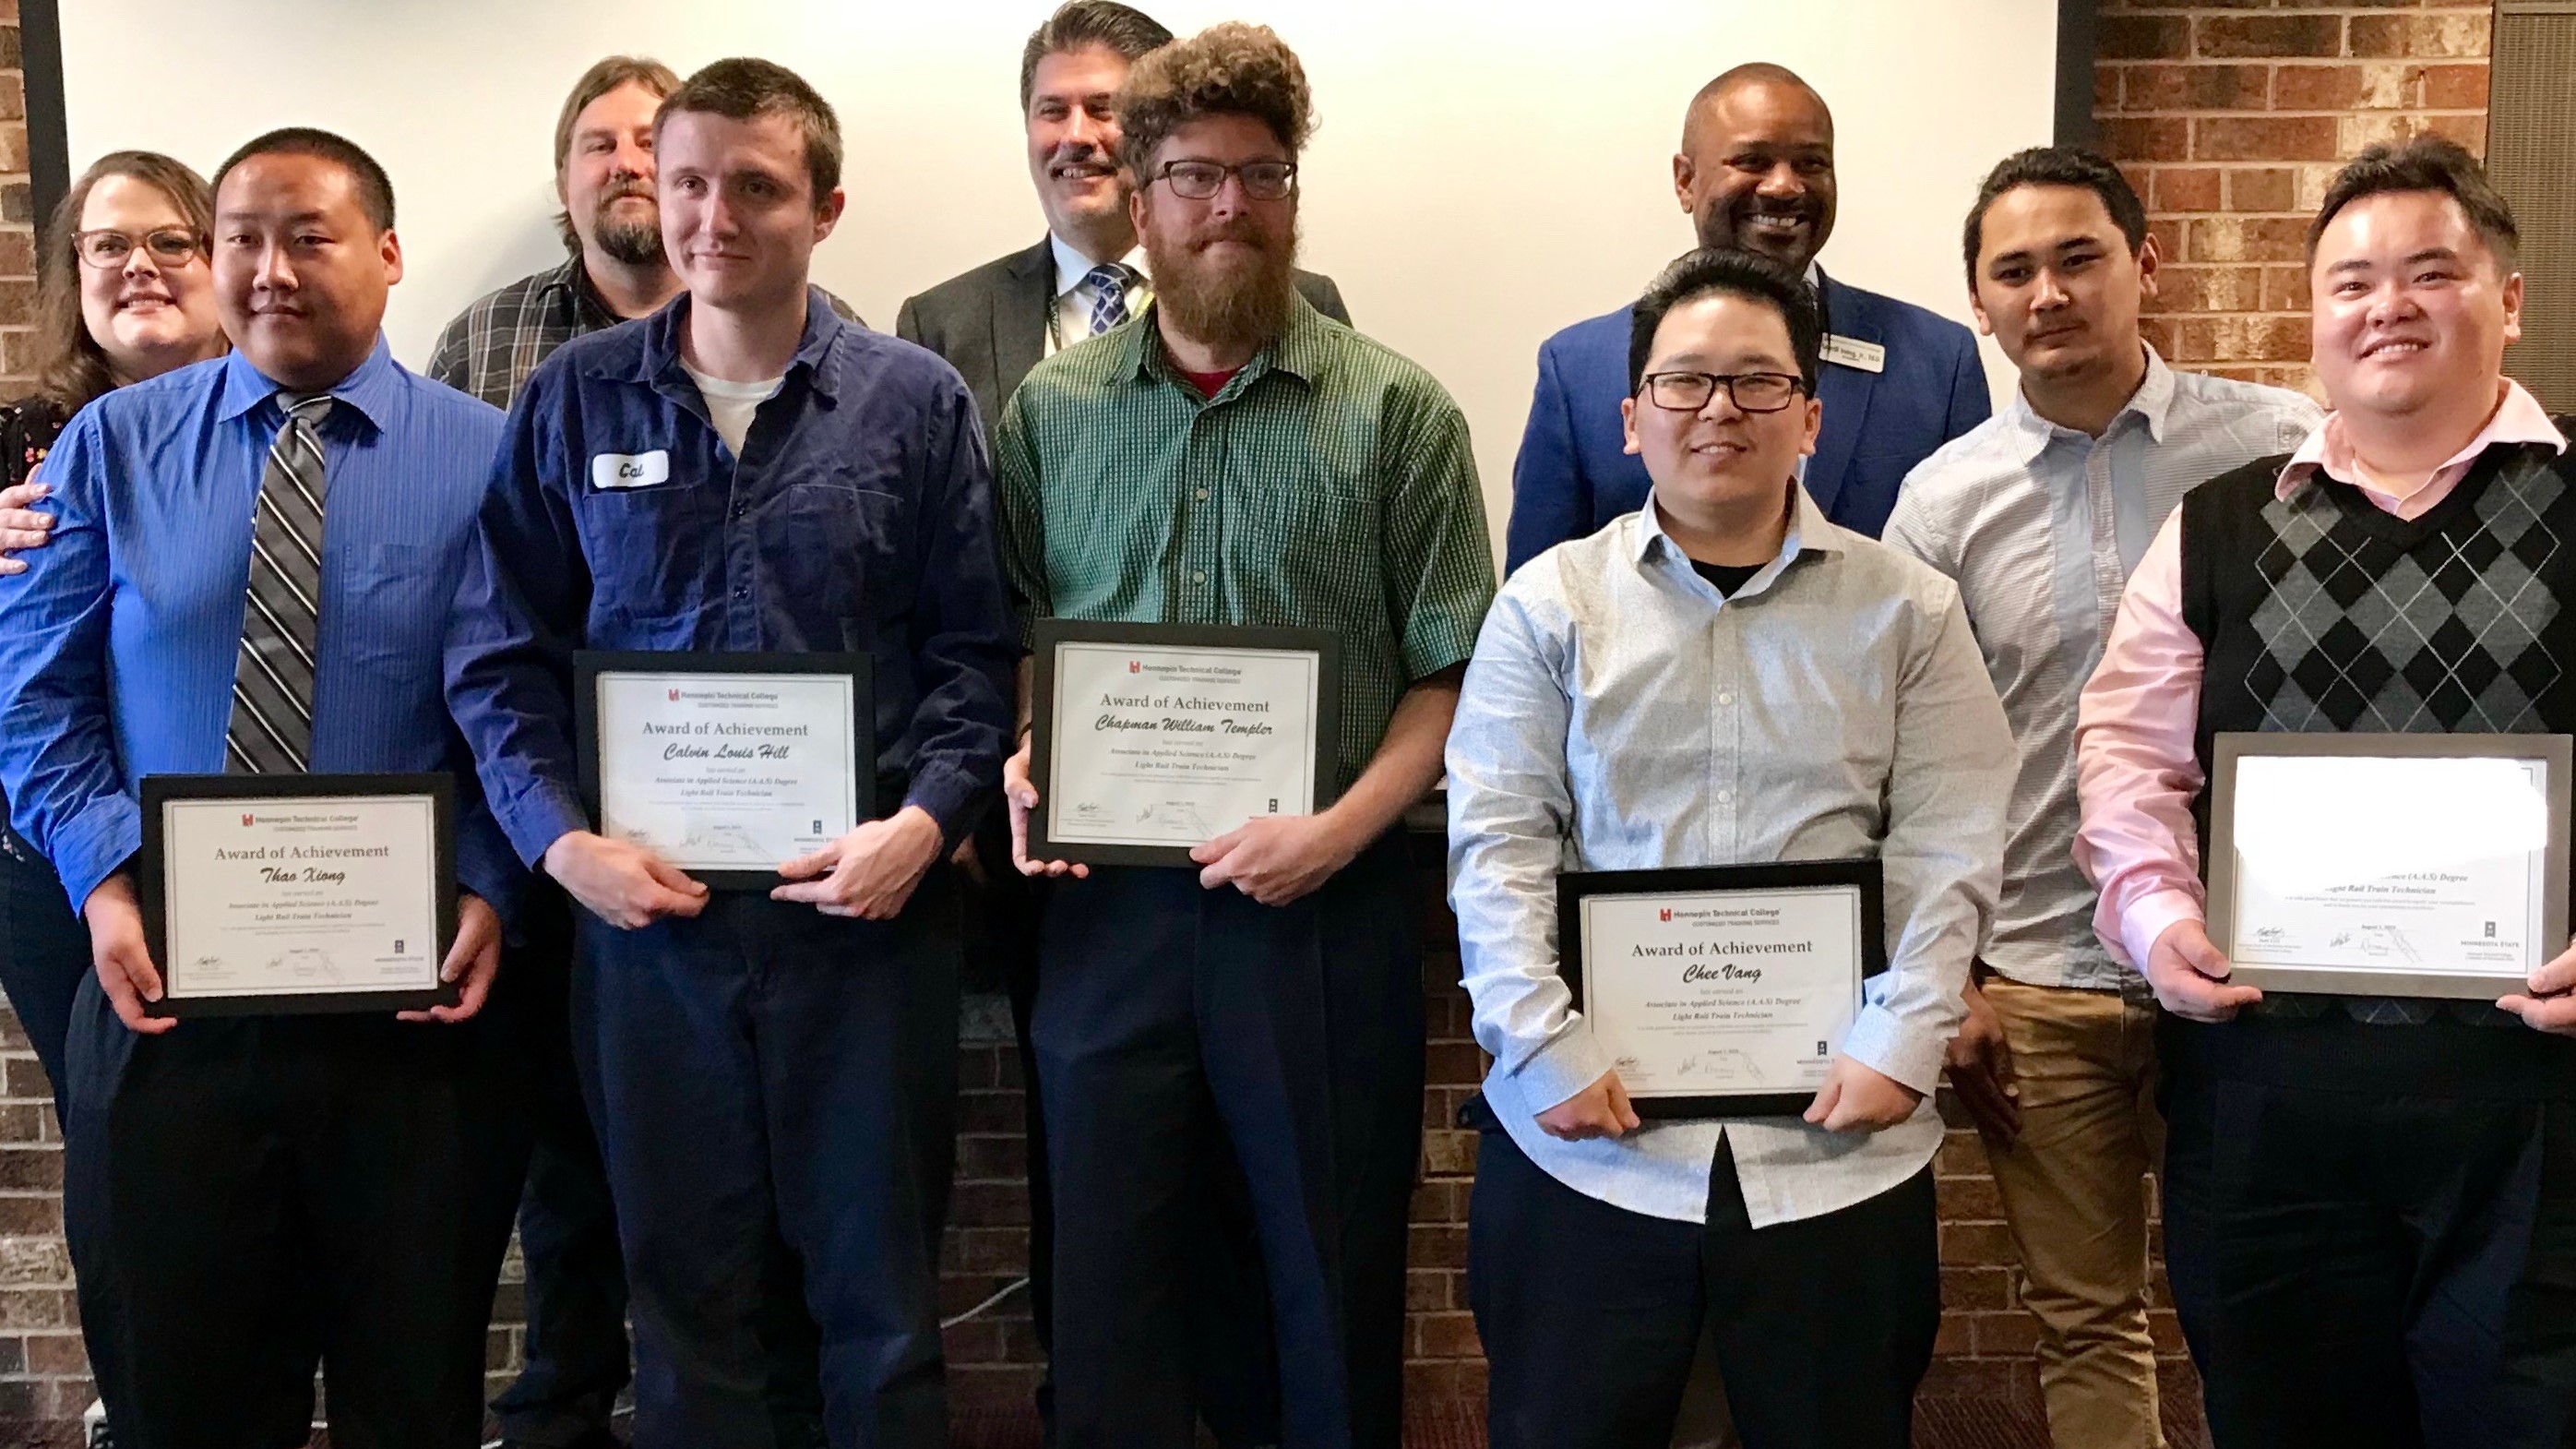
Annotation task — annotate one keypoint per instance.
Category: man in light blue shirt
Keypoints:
(290, 1187)
(1724, 677)
(2039, 515)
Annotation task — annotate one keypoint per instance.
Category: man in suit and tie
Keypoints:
(1755, 171)
(994, 323)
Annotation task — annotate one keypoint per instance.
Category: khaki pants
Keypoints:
(2073, 1189)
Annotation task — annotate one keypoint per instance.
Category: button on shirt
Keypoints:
(2040, 527)
(857, 517)
(1621, 715)
(123, 639)
(1328, 485)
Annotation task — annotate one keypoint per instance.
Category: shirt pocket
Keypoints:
(398, 597)
(652, 552)
(838, 552)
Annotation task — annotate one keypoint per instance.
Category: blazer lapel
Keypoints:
(1020, 317)
(1845, 392)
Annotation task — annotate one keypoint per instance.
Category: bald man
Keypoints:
(1755, 171)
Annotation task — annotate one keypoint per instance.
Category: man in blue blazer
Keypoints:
(1755, 171)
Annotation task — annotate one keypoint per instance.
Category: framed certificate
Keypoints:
(1722, 991)
(726, 765)
(1153, 738)
(270, 894)
(2388, 864)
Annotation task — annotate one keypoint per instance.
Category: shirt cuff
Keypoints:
(1561, 1067)
(2151, 916)
(1887, 1044)
(540, 816)
(950, 799)
(93, 844)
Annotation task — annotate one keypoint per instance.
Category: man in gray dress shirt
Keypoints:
(1723, 677)
(2039, 514)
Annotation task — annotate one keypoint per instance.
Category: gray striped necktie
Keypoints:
(272, 724)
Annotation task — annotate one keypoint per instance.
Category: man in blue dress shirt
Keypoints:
(293, 1187)
(746, 471)
(1756, 172)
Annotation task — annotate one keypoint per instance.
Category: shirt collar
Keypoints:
(1072, 268)
(2152, 403)
(659, 358)
(1299, 349)
(369, 390)
(573, 279)
(2519, 418)
(1809, 532)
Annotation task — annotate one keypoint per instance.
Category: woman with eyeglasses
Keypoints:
(127, 294)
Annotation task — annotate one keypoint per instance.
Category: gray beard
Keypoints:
(637, 245)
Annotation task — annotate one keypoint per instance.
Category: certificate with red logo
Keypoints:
(1721, 991)
(727, 765)
(1152, 738)
(267, 894)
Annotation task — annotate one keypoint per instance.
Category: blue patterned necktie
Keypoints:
(1108, 283)
(271, 731)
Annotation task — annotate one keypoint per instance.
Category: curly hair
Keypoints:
(1230, 69)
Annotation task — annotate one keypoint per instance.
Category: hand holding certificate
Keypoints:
(2389, 865)
(1722, 991)
(1152, 739)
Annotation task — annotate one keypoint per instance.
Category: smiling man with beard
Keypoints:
(1236, 458)
(1755, 171)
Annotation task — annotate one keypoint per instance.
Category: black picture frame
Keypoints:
(152, 886)
(1575, 887)
(1049, 635)
(589, 664)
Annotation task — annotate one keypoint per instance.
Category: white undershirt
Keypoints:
(1074, 293)
(732, 404)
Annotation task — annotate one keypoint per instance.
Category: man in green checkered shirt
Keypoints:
(1232, 457)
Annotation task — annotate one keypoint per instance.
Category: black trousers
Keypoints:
(283, 1190)
(576, 1361)
(1169, 1017)
(1591, 1313)
(2371, 1231)
(44, 958)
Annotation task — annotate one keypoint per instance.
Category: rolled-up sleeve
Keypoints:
(1943, 849)
(1511, 810)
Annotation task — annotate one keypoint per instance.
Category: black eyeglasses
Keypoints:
(1751, 392)
(1202, 180)
(170, 246)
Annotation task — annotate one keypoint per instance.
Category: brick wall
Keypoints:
(2228, 115)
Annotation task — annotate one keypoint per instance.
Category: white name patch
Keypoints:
(1852, 352)
(630, 470)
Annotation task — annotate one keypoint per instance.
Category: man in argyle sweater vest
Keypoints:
(2370, 1205)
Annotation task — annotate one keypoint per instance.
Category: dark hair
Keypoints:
(1227, 69)
(2056, 166)
(1733, 273)
(744, 89)
(1080, 23)
(2425, 163)
(71, 370)
(614, 73)
(375, 188)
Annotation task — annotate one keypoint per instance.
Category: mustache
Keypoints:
(620, 190)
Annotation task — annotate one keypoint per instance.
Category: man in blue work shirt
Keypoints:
(1755, 172)
(278, 1188)
(754, 1059)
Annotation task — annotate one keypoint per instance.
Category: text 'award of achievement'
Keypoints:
(272, 894)
(1721, 991)
(1153, 738)
(726, 765)
(2388, 864)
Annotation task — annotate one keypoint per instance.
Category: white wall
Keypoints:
(1485, 170)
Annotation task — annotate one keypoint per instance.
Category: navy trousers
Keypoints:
(44, 958)
(760, 1078)
(2371, 1231)
(1591, 1314)
(282, 1191)
(1172, 1021)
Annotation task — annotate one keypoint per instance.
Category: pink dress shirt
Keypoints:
(2135, 771)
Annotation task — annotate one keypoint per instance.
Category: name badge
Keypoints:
(630, 470)
(1852, 352)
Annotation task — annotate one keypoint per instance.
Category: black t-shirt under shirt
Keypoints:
(1727, 577)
